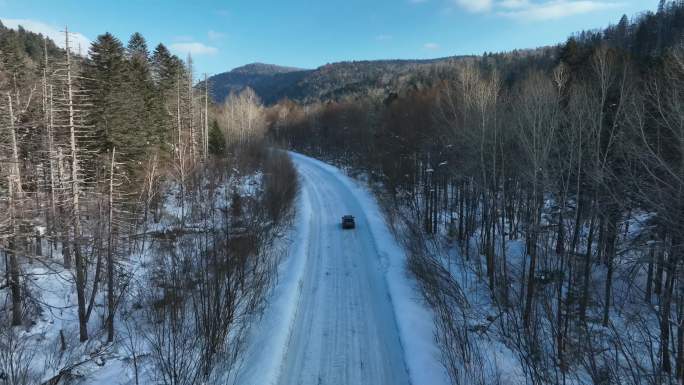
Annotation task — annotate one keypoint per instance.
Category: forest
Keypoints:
(139, 219)
(540, 194)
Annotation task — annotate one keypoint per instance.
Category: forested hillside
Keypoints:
(334, 81)
(541, 196)
(135, 220)
(268, 81)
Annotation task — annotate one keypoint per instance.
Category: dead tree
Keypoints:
(70, 111)
(110, 253)
(15, 215)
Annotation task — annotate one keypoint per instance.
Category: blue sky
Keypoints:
(304, 33)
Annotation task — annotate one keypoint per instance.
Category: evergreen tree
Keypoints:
(165, 68)
(137, 48)
(107, 72)
(143, 100)
(166, 71)
(661, 26)
(217, 141)
(661, 7)
(621, 32)
(123, 98)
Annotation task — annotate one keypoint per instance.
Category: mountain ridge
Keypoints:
(330, 81)
(264, 69)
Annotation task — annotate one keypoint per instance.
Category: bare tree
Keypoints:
(538, 122)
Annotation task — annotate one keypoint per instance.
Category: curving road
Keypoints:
(344, 330)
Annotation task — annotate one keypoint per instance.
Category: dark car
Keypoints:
(348, 222)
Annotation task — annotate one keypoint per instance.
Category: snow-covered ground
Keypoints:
(345, 311)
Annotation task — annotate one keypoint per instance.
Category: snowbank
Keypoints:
(414, 320)
(267, 343)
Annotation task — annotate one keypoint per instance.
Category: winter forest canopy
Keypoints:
(150, 215)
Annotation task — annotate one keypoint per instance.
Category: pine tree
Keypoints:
(106, 70)
(661, 26)
(137, 48)
(661, 7)
(621, 32)
(217, 141)
(142, 100)
(166, 70)
(139, 61)
(123, 97)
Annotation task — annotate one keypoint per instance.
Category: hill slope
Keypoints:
(331, 81)
(267, 80)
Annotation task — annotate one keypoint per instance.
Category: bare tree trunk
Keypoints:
(679, 360)
(14, 275)
(110, 257)
(649, 275)
(665, 361)
(51, 157)
(178, 112)
(15, 197)
(611, 238)
(584, 299)
(532, 251)
(64, 230)
(191, 115)
(75, 193)
(206, 117)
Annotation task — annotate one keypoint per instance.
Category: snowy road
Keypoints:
(344, 330)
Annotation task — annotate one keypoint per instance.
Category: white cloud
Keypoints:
(214, 35)
(514, 4)
(431, 46)
(185, 38)
(76, 40)
(475, 6)
(557, 9)
(536, 10)
(193, 48)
